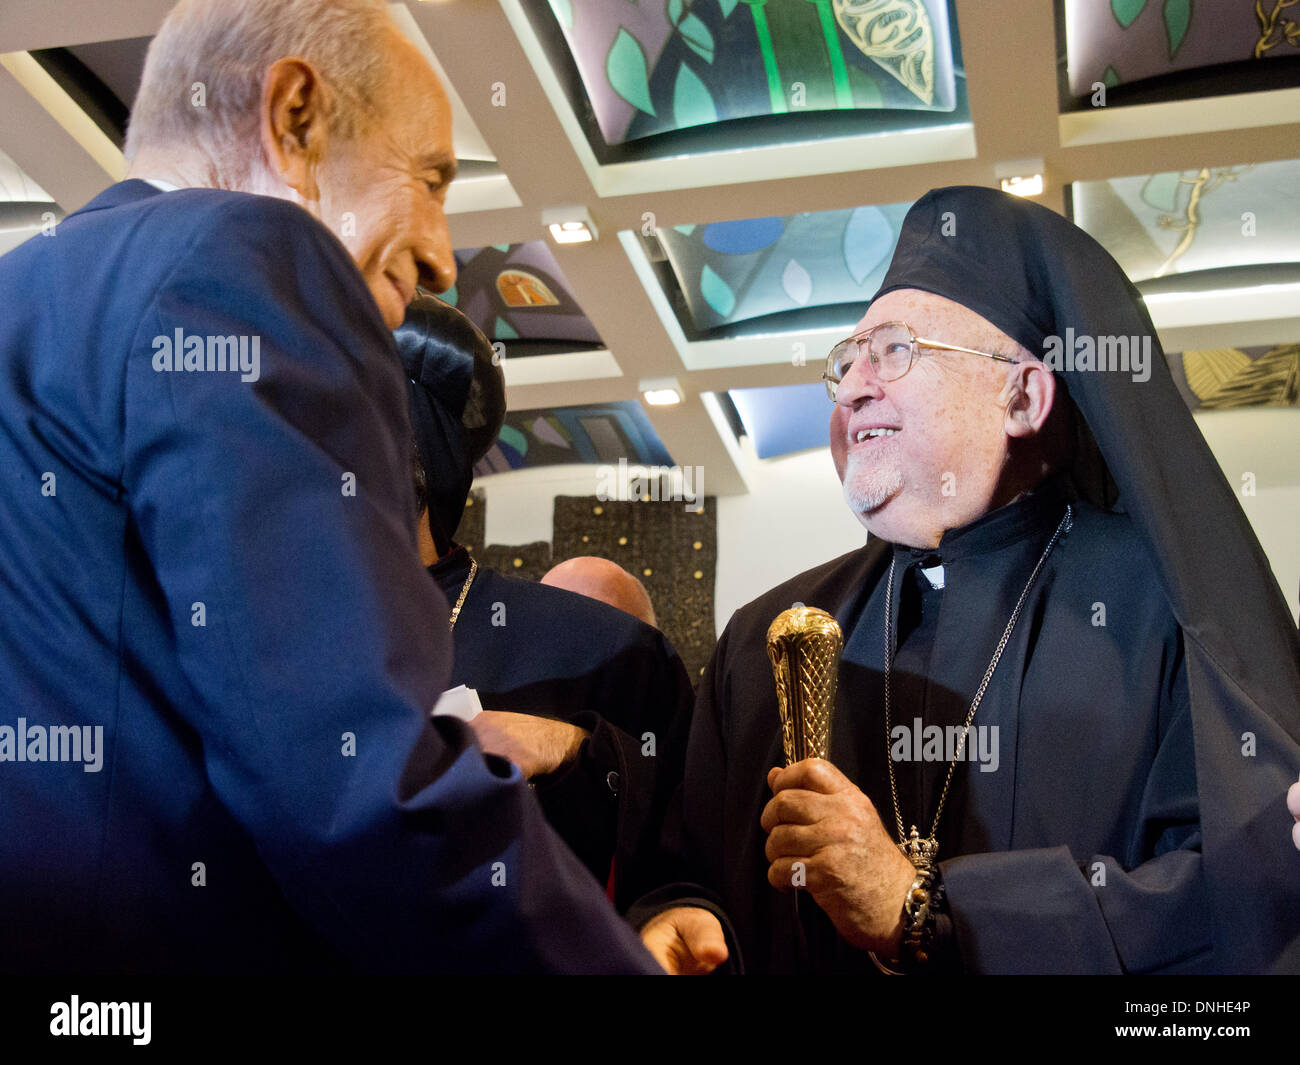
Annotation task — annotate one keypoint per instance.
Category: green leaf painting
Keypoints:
(692, 101)
(697, 37)
(1178, 16)
(626, 69)
(716, 292)
(1125, 11)
(1161, 190)
(512, 437)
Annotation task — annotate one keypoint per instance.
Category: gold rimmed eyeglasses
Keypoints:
(892, 347)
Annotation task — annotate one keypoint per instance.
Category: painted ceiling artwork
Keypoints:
(1239, 377)
(596, 435)
(1181, 222)
(662, 65)
(734, 271)
(517, 292)
(783, 419)
(1119, 42)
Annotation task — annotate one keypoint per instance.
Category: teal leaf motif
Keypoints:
(1111, 78)
(450, 296)
(868, 239)
(716, 292)
(1178, 16)
(1125, 11)
(626, 69)
(501, 247)
(697, 37)
(503, 330)
(1161, 190)
(692, 101)
(685, 231)
(563, 12)
(728, 6)
(796, 282)
(512, 437)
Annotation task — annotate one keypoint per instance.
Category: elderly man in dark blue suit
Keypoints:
(217, 644)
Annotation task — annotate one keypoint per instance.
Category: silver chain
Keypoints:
(1067, 522)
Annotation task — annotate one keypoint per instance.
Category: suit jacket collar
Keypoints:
(122, 193)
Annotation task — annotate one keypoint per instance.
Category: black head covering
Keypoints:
(1033, 274)
(458, 404)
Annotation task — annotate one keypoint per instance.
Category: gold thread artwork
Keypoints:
(897, 35)
(1226, 378)
(1205, 182)
(1273, 29)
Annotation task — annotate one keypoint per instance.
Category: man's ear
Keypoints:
(293, 124)
(1027, 398)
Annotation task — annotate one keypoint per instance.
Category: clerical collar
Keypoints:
(1037, 512)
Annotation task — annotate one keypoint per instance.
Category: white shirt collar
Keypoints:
(162, 185)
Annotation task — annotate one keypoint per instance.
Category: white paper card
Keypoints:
(460, 701)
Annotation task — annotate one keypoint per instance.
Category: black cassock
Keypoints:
(529, 648)
(532, 649)
(1094, 771)
(1147, 703)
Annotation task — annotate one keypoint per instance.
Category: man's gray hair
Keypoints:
(216, 52)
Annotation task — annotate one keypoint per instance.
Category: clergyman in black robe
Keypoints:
(615, 685)
(1119, 805)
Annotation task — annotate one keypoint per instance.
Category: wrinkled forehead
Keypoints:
(938, 318)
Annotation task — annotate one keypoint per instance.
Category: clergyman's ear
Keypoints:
(293, 124)
(1027, 398)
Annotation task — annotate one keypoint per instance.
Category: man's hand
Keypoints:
(686, 941)
(536, 745)
(850, 866)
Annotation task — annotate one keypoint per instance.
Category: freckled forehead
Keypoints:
(938, 318)
(921, 310)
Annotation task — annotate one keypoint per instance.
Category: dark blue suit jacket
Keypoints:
(218, 577)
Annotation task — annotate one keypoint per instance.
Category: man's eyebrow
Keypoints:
(442, 162)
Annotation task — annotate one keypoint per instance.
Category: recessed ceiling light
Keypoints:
(661, 391)
(570, 232)
(569, 225)
(1025, 185)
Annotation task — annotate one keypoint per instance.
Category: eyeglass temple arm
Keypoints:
(922, 342)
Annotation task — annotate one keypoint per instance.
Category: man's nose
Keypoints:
(435, 259)
(858, 385)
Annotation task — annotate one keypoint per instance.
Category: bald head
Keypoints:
(598, 578)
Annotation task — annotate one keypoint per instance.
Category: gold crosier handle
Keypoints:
(804, 644)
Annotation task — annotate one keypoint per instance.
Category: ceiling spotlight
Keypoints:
(1030, 185)
(569, 225)
(570, 232)
(661, 391)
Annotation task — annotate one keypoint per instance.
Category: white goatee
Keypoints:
(867, 488)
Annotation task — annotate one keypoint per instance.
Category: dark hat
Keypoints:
(458, 404)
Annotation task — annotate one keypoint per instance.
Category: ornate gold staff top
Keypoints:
(804, 644)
